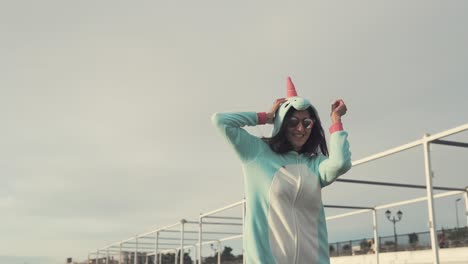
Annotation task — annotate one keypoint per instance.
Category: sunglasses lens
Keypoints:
(292, 122)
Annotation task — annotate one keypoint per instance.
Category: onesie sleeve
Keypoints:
(339, 160)
(246, 146)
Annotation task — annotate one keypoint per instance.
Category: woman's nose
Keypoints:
(300, 127)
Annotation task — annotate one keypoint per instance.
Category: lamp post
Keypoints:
(394, 221)
(456, 211)
(214, 249)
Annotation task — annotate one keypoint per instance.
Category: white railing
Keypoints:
(139, 245)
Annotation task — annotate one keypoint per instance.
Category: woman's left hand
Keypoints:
(338, 109)
(274, 108)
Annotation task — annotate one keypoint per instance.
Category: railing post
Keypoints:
(156, 245)
(182, 223)
(376, 236)
(196, 255)
(200, 239)
(430, 199)
(466, 205)
(120, 253)
(219, 252)
(135, 260)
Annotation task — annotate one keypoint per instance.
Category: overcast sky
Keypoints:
(105, 108)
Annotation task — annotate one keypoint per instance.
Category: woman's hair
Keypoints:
(314, 145)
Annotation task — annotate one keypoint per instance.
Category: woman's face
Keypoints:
(298, 128)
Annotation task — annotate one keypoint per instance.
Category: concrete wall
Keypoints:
(446, 256)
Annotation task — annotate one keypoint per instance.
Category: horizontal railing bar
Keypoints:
(223, 217)
(411, 144)
(220, 223)
(450, 143)
(222, 209)
(207, 232)
(399, 185)
(348, 207)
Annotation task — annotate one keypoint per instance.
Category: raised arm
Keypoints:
(339, 160)
(246, 146)
(230, 126)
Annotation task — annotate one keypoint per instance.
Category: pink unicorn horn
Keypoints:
(291, 90)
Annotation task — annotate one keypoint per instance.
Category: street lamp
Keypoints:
(394, 221)
(456, 211)
(214, 249)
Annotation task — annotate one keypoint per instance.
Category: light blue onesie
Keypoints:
(285, 220)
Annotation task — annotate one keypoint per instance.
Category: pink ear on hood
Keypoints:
(291, 90)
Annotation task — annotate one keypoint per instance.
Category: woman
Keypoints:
(284, 174)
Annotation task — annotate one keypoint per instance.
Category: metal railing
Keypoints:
(447, 238)
(148, 251)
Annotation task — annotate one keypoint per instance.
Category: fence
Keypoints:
(447, 238)
(154, 247)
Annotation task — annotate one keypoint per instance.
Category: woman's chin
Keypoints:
(297, 147)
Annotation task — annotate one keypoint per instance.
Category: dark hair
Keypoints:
(315, 143)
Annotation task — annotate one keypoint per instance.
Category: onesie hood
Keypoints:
(293, 100)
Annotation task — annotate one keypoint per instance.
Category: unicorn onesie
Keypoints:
(285, 220)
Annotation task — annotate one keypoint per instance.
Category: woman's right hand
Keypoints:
(276, 105)
(338, 109)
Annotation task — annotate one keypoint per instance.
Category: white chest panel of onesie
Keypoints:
(295, 204)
